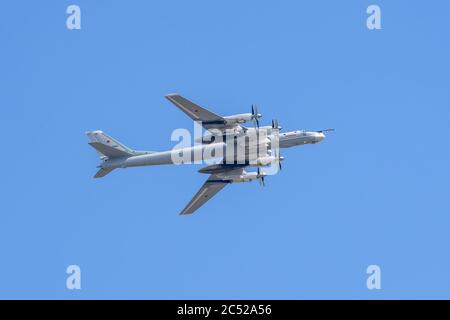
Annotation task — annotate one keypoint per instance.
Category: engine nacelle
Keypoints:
(239, 118)
(246, 177)
(265, 161)
(250, 176)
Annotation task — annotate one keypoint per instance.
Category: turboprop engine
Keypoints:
(249, 176)
(266, 161)
(244, 117)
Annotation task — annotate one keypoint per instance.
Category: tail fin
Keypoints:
(106, 146)
(109, 148)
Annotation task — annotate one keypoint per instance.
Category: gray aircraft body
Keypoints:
(114, 154)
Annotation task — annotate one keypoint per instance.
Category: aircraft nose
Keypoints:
(319, 136)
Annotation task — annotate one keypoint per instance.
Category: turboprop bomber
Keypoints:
(223, 133)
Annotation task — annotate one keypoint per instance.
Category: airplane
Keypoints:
(114, 154)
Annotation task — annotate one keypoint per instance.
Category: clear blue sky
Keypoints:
(374, 192)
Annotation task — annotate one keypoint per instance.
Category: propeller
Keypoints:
(261, 176)
(275, 124)
(255, 115)
(279, 162)
(279, 157)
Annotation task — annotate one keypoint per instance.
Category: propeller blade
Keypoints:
(260, 177)
(275, 124)
(255, 112)
(255, 116)
(279, 157)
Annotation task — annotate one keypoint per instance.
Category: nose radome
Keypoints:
(319, 136)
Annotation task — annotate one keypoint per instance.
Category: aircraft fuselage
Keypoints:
(203, 152)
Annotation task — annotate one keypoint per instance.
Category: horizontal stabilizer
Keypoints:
(102, 172)
(108, 151)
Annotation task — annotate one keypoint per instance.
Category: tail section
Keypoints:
(109, 148)
(106, 146)
(109, 151)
